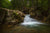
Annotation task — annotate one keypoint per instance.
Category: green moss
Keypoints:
(15, 13)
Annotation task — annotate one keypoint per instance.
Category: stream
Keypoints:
(29, 25)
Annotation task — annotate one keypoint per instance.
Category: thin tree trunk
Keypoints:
(48, 5)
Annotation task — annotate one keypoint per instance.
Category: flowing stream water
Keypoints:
(30, 21)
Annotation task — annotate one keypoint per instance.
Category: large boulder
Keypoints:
(11, 16)
(15, 17)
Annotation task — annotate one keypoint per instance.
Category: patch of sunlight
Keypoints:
(9, 0)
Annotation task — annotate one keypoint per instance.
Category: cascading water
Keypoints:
(30, 21)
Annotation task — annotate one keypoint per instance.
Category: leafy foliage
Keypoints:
(5, 3)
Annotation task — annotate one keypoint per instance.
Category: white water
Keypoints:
(30, 21)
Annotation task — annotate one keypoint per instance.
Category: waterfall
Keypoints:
(30, 21)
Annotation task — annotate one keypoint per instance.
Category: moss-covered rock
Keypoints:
(11, 16)
(16, 17)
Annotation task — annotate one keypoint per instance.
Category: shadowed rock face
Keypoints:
(41, 15)
(2, 14)
(25, 10)
(11, 16)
